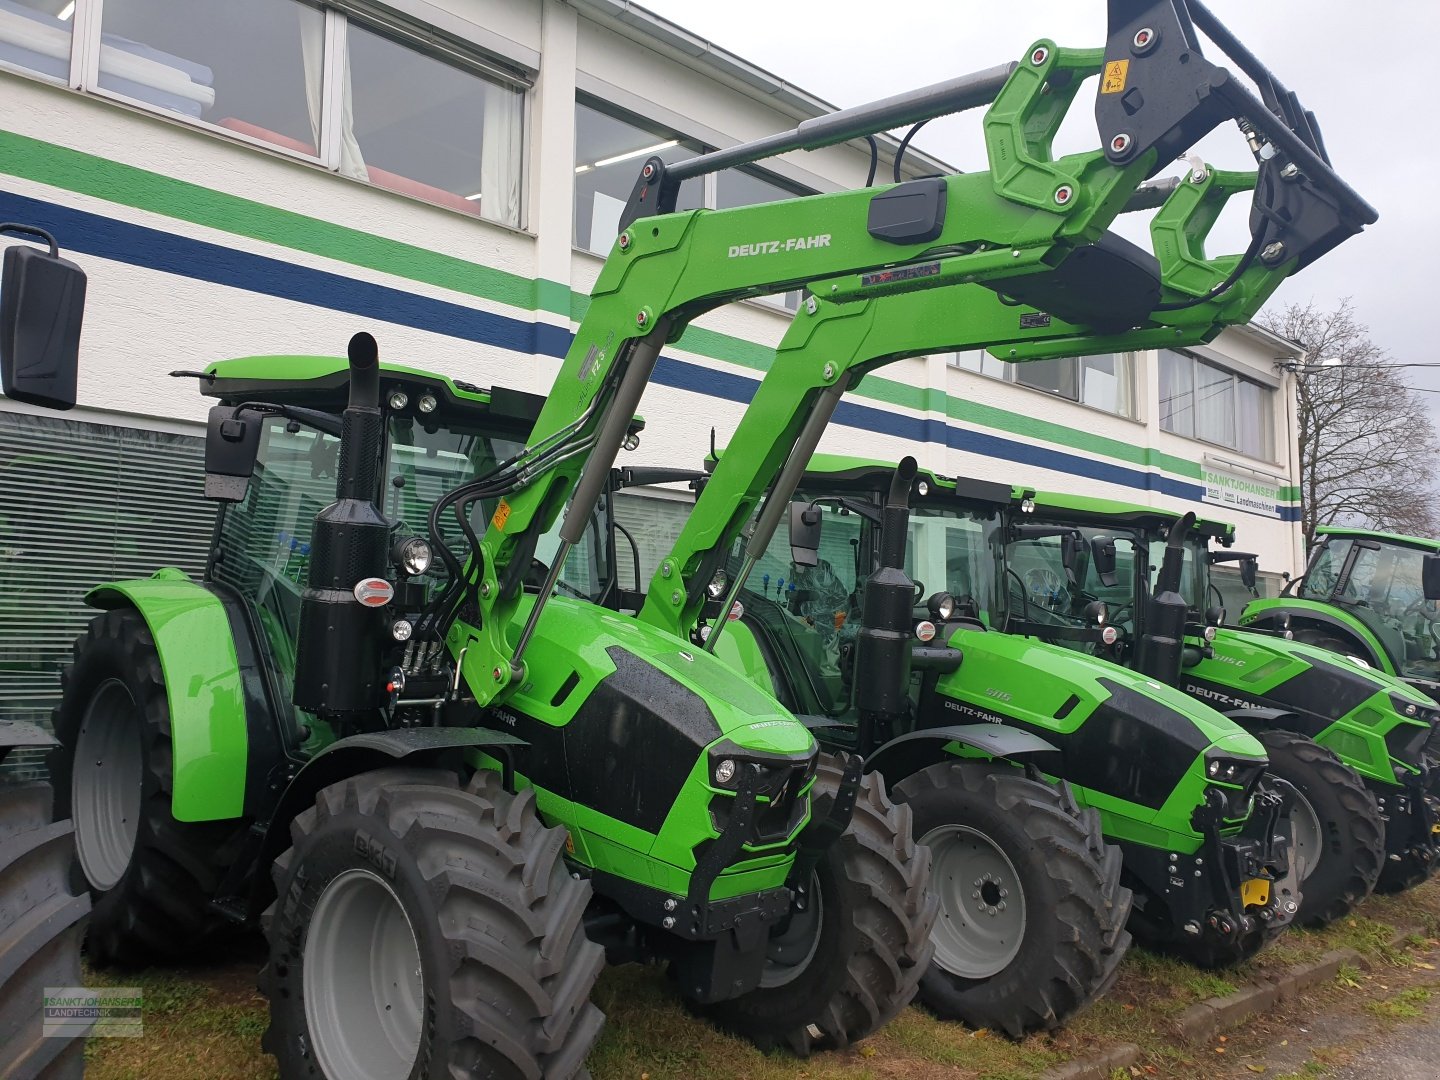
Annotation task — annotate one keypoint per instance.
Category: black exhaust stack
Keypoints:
(882, 653)
(338, 658)
(1162, 646)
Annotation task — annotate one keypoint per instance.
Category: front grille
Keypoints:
(782, 805)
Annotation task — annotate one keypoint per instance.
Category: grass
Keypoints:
(1405, 1005)
(208, 1022)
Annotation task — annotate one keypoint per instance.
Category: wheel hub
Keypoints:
(106, 783)
(1307, 835)
(794, 942)
(362, 980)
(982, 903)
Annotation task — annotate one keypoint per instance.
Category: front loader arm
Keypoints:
(1021, 219)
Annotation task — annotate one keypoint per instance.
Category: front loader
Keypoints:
(468, 784)
(1351, 739)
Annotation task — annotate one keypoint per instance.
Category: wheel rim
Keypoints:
(362, 980)
(982, 903)
(106, 782)
(794, 944)
(1307, 837)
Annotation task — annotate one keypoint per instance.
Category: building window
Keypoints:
(301, 78)
(254, 67)
(432, 129)
(1102, 382)
(611, 146)
(35, 35)
(609, 151)
(1201, 400)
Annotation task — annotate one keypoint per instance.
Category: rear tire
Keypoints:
(1338, 829)
(151, 877)
(426, 931)
(871, 942)
(1032, 848)
(41, 922)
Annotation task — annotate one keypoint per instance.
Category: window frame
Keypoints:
(433, 42)
(1008, 377)
(1237, 377)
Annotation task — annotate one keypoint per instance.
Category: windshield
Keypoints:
(955, 551)
(424, 465)
(262, 548)
(1041, 589)
(1194, 573)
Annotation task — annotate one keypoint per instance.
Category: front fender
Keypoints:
(354, 755)
(908, 754)
(1271, 615)
(209, 740)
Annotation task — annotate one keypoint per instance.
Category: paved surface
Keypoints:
(1410, 1052)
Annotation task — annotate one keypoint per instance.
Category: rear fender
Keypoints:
(356, 754)
(203, 685)
(908, 754)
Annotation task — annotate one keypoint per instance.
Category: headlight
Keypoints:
(1411, 709)
(427, 404)
(725, 771)
(1027, 506)
(401, 629)
(398, 399)
(941, 606)
(1232, 770)
(716, 589)
(413, 555)
(923, 487)
(1208, 634)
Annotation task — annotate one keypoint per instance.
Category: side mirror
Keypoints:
(804, 534)
(1430, 577)
(42, 303)
(1249, 568)
(1103, 559)
(232, 443)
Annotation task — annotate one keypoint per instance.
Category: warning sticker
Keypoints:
(1113, 81)
(502, 515)
(1033, 320)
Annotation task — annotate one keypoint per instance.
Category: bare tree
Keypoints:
(1367, 444)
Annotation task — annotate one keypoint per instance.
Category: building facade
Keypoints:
(272, 176)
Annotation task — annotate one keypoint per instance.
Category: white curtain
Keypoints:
(312, 47)
(500, 156)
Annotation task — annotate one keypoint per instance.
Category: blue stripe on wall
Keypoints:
(153, 249)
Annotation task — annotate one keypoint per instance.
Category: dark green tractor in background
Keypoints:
(1370, 595)
(1177, 788)
(1350, 738)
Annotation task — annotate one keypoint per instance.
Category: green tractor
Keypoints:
(1369, 595)
(42, 913)
(452, 785)
(1350, 739)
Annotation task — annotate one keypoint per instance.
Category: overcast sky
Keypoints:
(1365, 69)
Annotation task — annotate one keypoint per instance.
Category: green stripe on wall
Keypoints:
(141, 189)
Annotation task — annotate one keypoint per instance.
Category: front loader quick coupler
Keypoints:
(338, 667)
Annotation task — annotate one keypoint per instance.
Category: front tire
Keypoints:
(423, 931)
(1338, 830)
(1046, 932)
(845, 968)
(150, 876)
(1409, 870)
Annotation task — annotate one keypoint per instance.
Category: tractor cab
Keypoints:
(1389, 585)
(438, 434)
